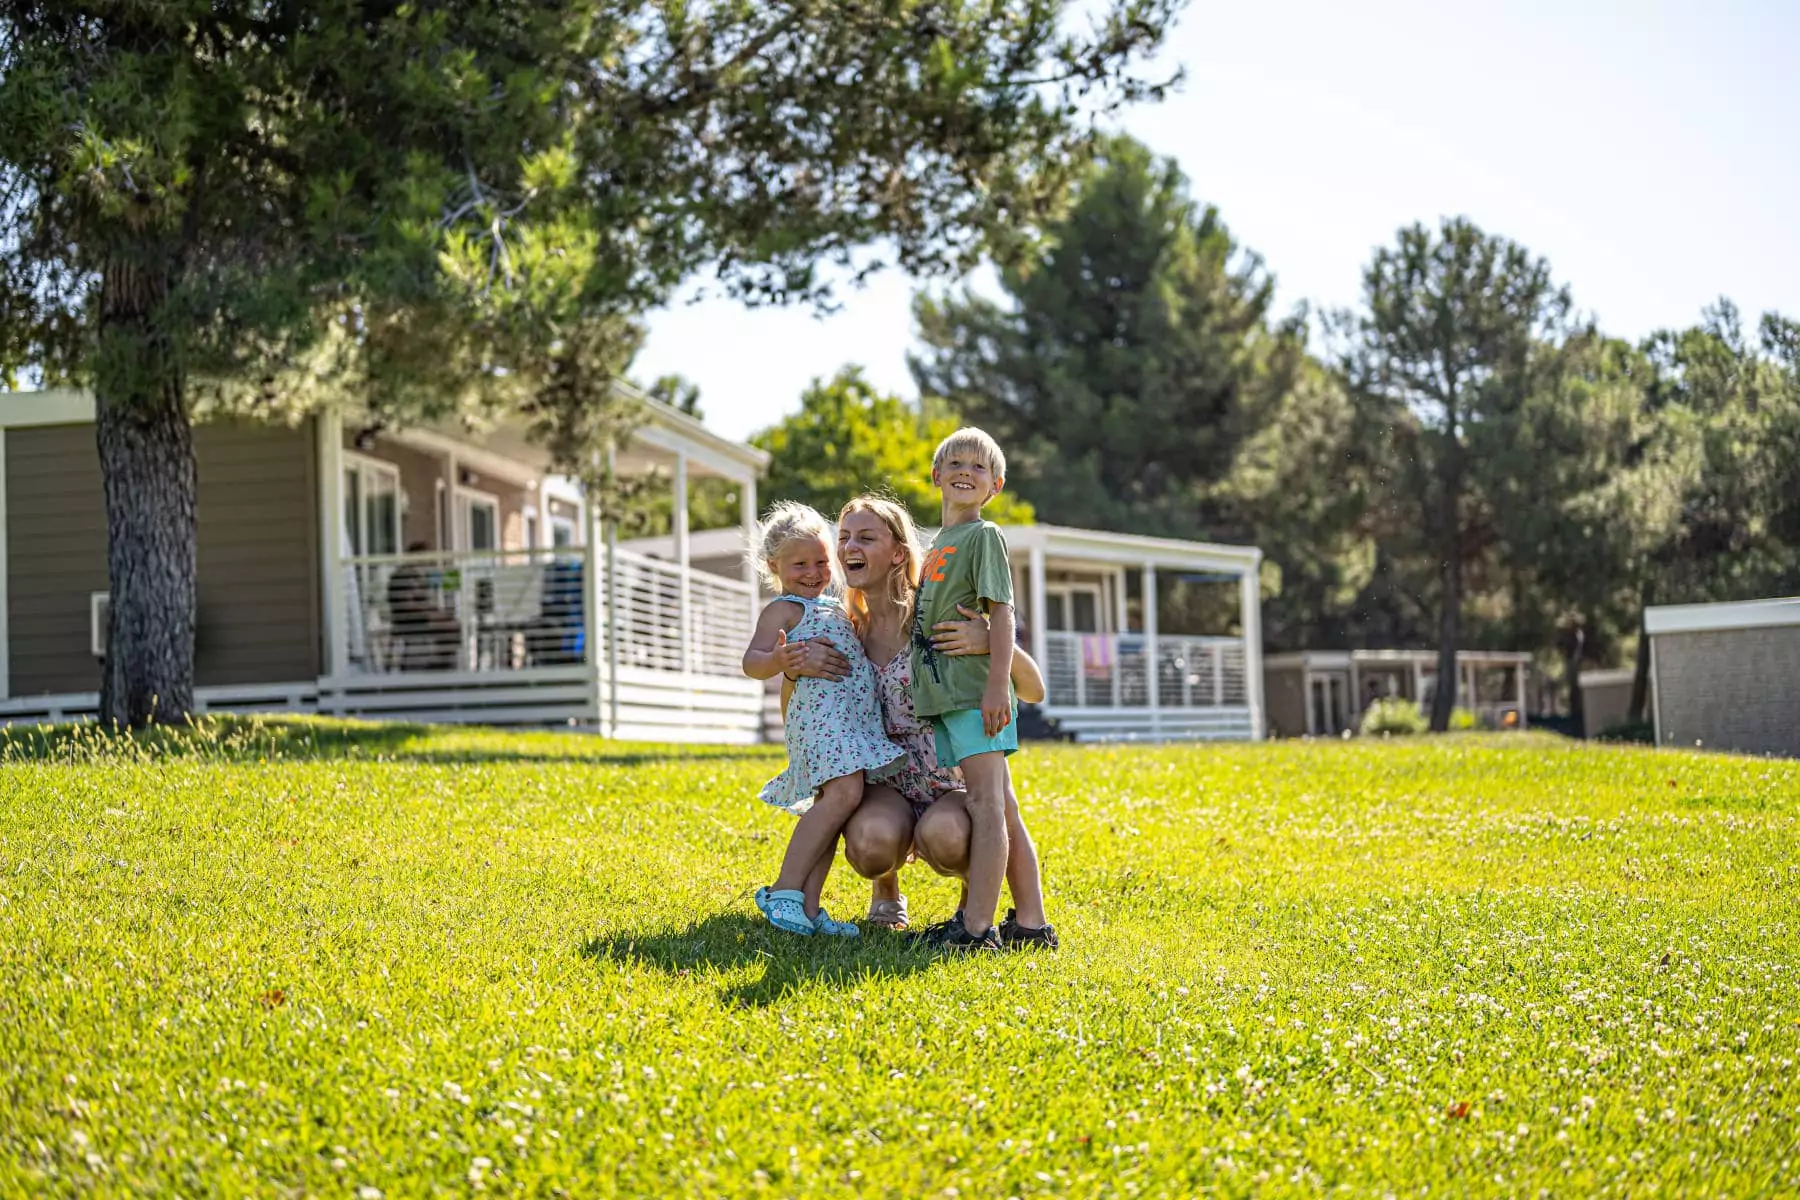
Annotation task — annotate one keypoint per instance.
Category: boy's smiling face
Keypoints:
(966, 482)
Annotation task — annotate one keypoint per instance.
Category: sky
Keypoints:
(1645, 148)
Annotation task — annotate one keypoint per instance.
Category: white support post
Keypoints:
(612, 603)
(1152, 654)
(684, 601)
(1250, 585)
(592, 597)
(1120, 629)
(328, 430)
(1040, 632)
(5, 627)
(1306, 682)
(747, 505)
(544, 537)
(1519, 670)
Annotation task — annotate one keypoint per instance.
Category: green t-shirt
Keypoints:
(967, 565)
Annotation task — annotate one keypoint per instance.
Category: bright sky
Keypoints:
(1645, 147)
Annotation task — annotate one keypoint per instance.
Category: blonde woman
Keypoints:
(923, 807)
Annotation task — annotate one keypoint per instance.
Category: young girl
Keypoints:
(834, 733)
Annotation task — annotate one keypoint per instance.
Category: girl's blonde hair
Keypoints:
(903, 576)
(786, 522)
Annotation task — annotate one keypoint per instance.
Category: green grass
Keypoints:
(313, 959)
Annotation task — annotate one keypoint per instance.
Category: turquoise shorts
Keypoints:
(962, 733)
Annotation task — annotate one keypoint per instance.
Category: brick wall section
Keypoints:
(1735, 689)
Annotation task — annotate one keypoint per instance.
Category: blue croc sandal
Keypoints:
(785, 910)
(824, 924)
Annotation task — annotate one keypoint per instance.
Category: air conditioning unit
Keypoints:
(99, 619)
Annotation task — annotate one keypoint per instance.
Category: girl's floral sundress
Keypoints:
(833, 728)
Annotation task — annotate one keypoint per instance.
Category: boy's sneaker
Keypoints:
(1023, 937)
(959, 940)
(935, 933)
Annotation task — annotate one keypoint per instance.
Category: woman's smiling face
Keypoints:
(867, 551)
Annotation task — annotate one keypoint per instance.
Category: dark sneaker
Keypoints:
(959, 940)
(1023, 937)
(933, 934)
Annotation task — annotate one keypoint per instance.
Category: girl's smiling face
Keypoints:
(803, 566)
(867, 551)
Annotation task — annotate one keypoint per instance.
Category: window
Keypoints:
(478, 520)
(371, 506)
(1072, 608)
(562, 531)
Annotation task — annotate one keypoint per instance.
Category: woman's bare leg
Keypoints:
(943, 842)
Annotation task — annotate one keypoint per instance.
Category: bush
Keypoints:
(1393, 717)
(1628, 731)
(1462, 720)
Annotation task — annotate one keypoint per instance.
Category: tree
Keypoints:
(848, 439)
(1581, 483)
(1732, 409)
(455, 209)
(1442, 353)
(1132, 356)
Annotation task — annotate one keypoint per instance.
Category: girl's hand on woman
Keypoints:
(821, 661)
(968, 636)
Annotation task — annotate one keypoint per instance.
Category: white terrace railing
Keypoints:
(1106, 670)
(504, 611)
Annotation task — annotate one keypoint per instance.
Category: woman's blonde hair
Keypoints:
(903, 576)
(786, 522)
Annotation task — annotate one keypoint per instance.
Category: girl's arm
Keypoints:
(770, 653)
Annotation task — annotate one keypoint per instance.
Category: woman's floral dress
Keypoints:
(921, 780)
(833, 728)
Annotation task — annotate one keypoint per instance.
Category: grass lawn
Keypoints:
(315, 960)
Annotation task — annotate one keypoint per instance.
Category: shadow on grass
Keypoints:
(258, 738)
(729, 942)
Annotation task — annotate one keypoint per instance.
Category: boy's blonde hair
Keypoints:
(976, 444)
(786, 522)
(903, 576)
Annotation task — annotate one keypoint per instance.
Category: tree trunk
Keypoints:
(1443, 700)
(1574, 644)
(147, 460)
(1640, 679)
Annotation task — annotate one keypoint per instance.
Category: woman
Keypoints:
(924, 809)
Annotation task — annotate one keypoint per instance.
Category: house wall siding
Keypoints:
(257, 556)
(1730, 689)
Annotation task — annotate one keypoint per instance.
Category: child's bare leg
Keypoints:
(986, 778)
(1023, 875)
(815, 881)
(816, 833)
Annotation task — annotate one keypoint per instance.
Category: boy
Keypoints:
(969, 698)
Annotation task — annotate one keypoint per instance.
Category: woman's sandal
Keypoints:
(785, 910)
(889, 914)
(824, 924)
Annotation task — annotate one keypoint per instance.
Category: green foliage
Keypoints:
(1131, 357)
(849, 438)
(1642, 732)
(1463, 721)
(1439, 363)
(456, 210)
(466, 942)
(1393, 716)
